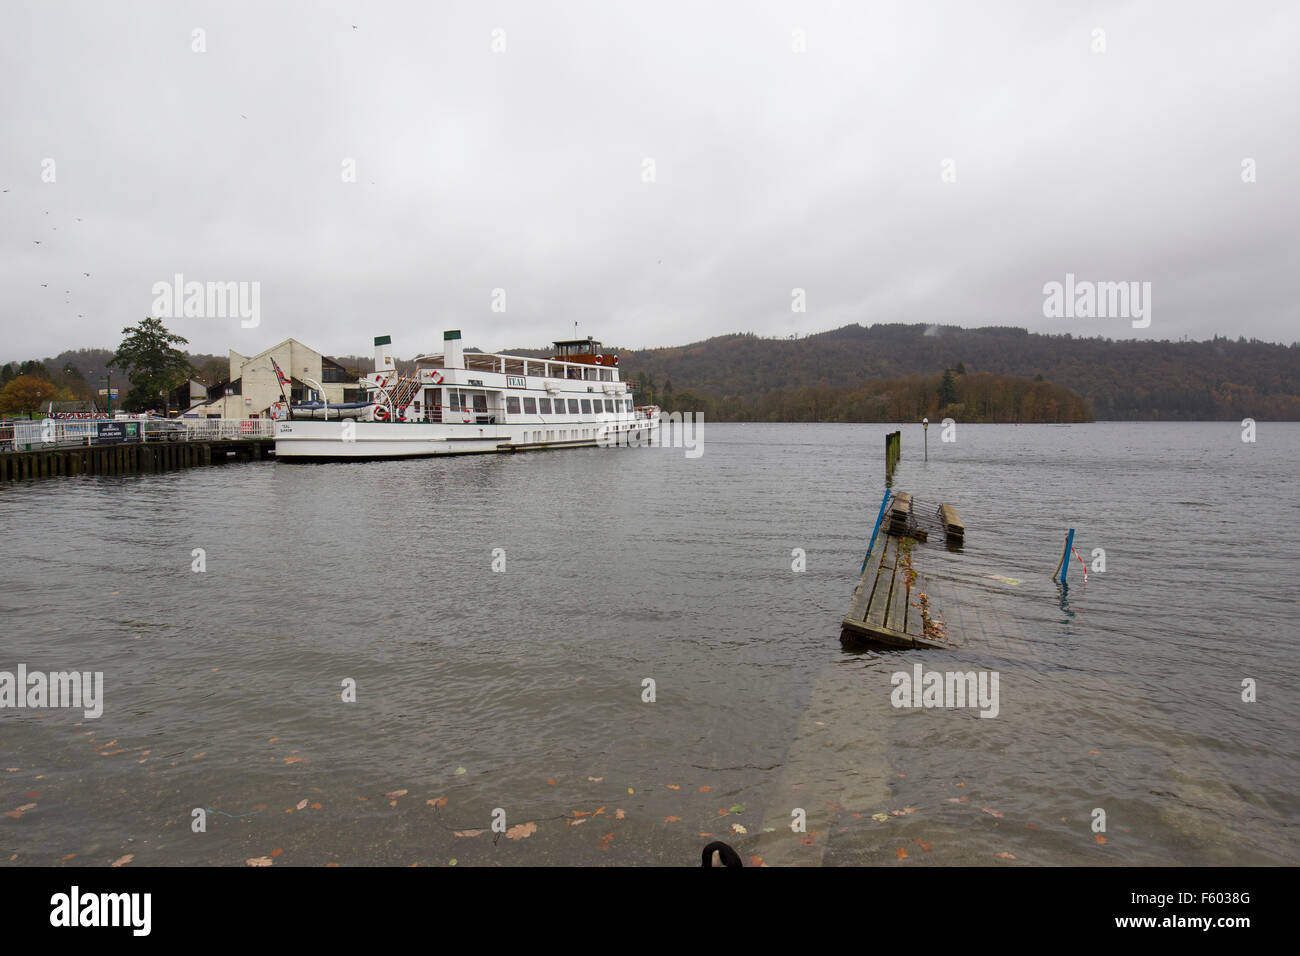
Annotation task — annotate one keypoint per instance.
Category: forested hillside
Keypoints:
(1218, 379)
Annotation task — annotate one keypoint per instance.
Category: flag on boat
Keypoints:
(279, 374)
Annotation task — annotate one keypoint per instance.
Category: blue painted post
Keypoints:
(883, 501)
(1064, 569)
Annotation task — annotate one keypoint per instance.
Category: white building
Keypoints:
(251, 387)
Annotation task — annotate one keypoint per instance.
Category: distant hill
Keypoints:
(1140, 380)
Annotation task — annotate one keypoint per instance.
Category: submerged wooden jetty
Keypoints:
(891, 605)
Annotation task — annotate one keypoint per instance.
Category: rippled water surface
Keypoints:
(523, 691)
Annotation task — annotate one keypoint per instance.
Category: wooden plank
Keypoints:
(952, 523)
(879, 606)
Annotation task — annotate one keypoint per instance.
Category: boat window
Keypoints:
(609, 405)
(559, 406)
(586, 406)
(545, 404)
(530, 406)
(454, 398)
(480, 403)
(512, 405)
(629, 403)
(573, 406)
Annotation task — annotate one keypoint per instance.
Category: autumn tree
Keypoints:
(27, 393)
(152, 363)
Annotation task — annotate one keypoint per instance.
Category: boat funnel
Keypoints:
(383, 353)
(453, 355)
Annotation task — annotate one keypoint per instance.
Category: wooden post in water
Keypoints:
(893, 448)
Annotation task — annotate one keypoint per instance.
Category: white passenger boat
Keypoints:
(460, 402)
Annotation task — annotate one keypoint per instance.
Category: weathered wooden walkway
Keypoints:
(891, 602)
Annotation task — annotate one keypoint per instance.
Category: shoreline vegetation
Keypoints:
(980, 397)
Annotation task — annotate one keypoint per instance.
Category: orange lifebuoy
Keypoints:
(380, 413)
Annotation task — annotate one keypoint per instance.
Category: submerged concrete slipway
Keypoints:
(229, 690)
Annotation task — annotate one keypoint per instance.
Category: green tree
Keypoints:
(668, 395)
(947, 389)
(152, 363)
(961, 368)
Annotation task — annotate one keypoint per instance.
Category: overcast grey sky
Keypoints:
(523, 169)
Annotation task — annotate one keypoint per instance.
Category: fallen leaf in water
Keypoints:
(1099, 838)
(11, 769)
(315, 806)
(619, 814)
(605, 841)
(273, 740)
(277, 852)
(440, 802)
(331, 864)
(722, 812)
(993, 813)
(1005, 856)
(705, 789)
(903, 812)
(460, 771)
(294, 759)
(259, 861)
(738, 809)
(880, 817)
(595, 779)
(961, 784)
(672, 786)
(391, 796)
(579, 821)
(900, 853)
(123, 860)
(1094, 753)
(737, 828)
(26, 806)
(672, 819)
(630, 790)
(756, 861)
(807, 841)
(452, 861)
(551, 782)
(922, 844)
(65, 859)
(301, 805)
(521, 831)
(599, 812)
(259, 806)
(1031, 826)
(468, 833)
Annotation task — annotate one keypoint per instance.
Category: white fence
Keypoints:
(52, 433)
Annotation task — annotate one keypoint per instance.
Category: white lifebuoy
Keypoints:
(436, 377)
(600, 360)
(468, 417)
(615, 360)
(401, 414)
(380, 413)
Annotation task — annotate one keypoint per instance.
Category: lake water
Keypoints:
(522, 690)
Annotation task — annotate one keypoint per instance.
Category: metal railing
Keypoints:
(52, 433)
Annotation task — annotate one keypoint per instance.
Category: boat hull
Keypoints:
(314, 441)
